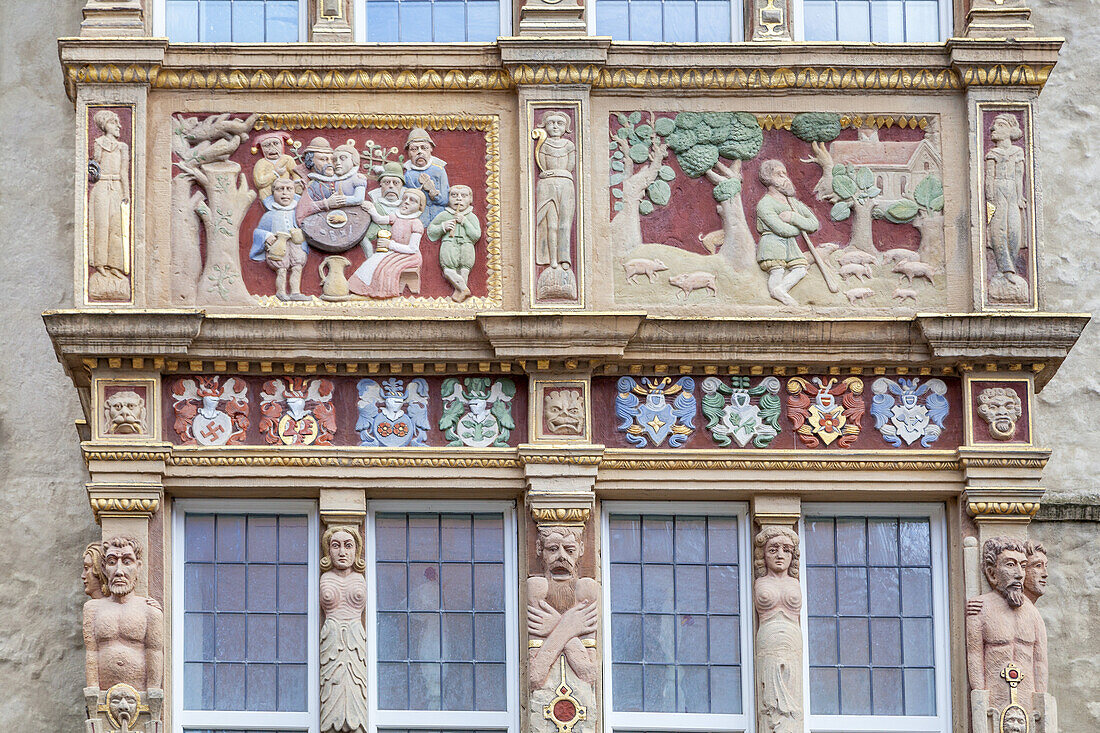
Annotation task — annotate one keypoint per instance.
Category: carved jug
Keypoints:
(334, 284)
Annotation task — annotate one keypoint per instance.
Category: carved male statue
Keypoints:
(781, 219)
(124, 413)
(1000, 408)
(562, 609)
(1003, 626)
(1035, 573)
(122, 632)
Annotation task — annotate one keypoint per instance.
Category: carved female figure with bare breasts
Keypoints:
(778, 600)
(343, 638)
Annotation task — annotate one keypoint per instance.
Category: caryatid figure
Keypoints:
(555, 198)
(123, 631)
(777, 596)
(562, 610)
(1003, 627)
(343, 638)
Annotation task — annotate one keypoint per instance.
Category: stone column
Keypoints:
(777, 599)
(562, 592)
(331, 21)
(344, 675)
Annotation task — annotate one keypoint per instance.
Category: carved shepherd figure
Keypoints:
(816, 415)
(777, 596)
(209, 412)
(343, 638)
(297, 411)
(108, 211)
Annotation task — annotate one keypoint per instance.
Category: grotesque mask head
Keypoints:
(1000, 408)
(563, 411)
(125, 413)
(121, 565)
(1003, 561)
(122, 705)
(1014, 720)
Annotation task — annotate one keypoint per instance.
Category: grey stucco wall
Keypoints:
(46, 520)
(44, 516)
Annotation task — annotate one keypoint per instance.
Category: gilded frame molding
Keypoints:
(152, 408)
(968, 414)
(536, 399)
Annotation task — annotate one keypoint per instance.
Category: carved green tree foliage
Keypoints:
(639, 177)
(818, 128)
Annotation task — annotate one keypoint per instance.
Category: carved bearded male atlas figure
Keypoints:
(343, 638)
(122, 632)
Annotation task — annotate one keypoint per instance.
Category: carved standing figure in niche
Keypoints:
(122, 632)
(777, 596)
(562, 617)
(1000, 408)
(555, 197)
(274, 164)
(396, 262)
(124, 414)
(1006, 201)
(108, 211)
(1004, 627)
(343, 638)
(781, 219)
(457, 230)
(95, 582)
(426, 172)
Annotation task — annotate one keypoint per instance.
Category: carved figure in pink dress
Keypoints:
(380, 275)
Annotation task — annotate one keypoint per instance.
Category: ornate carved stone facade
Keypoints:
(562, 280)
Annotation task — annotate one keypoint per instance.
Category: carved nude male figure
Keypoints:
(1003, 626)
(122, 632)
(562, 609)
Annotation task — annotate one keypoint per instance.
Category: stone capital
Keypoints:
(124, 500)
(343, 506)
(558, 470)
(1002, 504)
(776, 509)
(113, 19)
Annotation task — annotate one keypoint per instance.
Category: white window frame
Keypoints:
(308, 721)
(947, 23)
(160, 22)
(941, 632)
(685, 722)
(737, 24)
(505, 720)
(359, 19)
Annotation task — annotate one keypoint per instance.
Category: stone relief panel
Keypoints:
(1001, 412)
(108, 218)
(377, 412)
(351, 209)
(764, 413)
(1007, 222)
(558, 258)
(815, 209)
(127, 409)
(343, 637)
(561, 410)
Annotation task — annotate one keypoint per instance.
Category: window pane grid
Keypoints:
(870, 616)
(245, 615)
(441, 622)
(237, 21)
(880, 21)
(675, 613)
(432, 21)
(680, 21)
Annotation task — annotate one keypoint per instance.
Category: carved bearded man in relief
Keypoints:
(1003, 626)
(1000, 408)
(122, 632)
(562, 615)
(781, 219)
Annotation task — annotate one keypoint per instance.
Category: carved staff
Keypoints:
(826, 272)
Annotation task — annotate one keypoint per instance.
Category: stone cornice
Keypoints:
(1041, 340)
(956, 64)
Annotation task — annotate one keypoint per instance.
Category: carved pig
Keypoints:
(641, 266)
(858, 294)
(852, 256)
(904, 294)
(914, 269)
(827, 249)
(900, 255)
(689, 282)
(859, 272)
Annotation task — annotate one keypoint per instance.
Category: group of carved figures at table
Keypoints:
(1006, 641)
(327, 197)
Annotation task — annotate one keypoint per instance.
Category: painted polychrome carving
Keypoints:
(393, 413)
(823, 412)
(123, 708)
(297, 411)
(343, 638)
(655, 420)
(477, 411)
(125, 410)
(906, 409)
(740, 412)
(339, 210)
(108, 230)
(555, 154)
(210, 410)
(777, 596)
(816, 209)
(1008, 246)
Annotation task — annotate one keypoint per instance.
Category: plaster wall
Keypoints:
(46, 521)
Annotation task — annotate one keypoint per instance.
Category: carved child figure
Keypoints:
(122, 632)
(343, 638)
(279, 241)
(426, 172)
(459, 230)
(555, 198)
(109, 170)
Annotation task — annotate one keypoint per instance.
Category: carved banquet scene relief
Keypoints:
(277, 210)
(811, 209)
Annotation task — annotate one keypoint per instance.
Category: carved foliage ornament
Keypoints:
(824, 412)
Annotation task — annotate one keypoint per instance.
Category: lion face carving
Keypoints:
(563, 412)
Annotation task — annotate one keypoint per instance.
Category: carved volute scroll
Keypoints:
(562, 620)
(343, 636)
(777, 597)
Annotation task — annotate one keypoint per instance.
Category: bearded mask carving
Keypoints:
(124, 414)
(563, 411)
(1000, 408)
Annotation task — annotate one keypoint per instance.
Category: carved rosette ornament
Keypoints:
(777, 597)
(343, 636)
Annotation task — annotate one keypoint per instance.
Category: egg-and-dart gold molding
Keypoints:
(120, 504)
(345, 461)
(599, 77)
(1002, 508)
